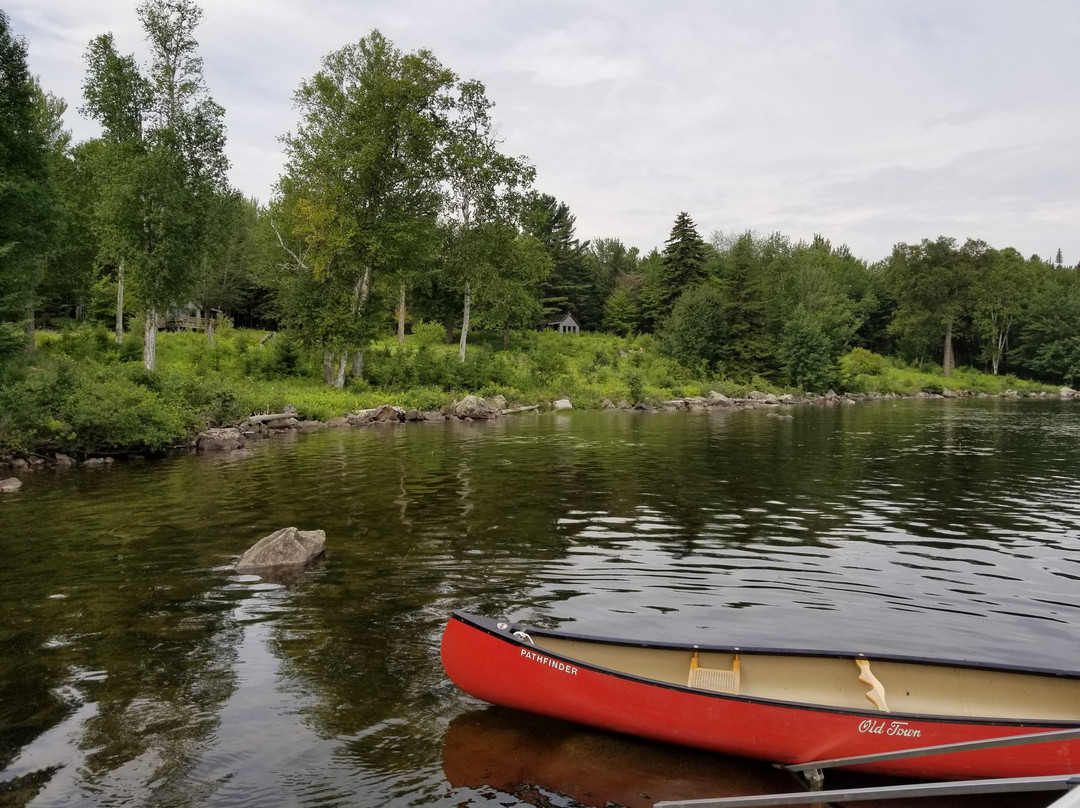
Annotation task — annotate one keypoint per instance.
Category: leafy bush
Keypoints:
(863, 362)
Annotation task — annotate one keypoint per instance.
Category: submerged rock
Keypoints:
(286, 548)
(10, 485)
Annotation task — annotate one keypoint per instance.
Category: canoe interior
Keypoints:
(902, 687)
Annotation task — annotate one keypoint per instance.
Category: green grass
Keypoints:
(85, 394)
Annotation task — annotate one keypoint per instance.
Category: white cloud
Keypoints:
(870, 123)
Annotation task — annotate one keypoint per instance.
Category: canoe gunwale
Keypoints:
(495, 629)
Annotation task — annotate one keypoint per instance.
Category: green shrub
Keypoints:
(862, 362)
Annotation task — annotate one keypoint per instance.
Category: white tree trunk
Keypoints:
(149, 349)
(210, 329)
(343, 364)
(401, 317)
(120, 305)
(358, 365)
(465, 323)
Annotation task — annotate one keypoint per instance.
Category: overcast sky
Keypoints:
(867, 121)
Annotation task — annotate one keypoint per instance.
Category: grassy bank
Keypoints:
(84, 395)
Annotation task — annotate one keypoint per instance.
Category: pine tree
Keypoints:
(683, 264)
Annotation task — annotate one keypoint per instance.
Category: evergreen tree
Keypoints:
(683, 263)
(742, 278)
(566, 289)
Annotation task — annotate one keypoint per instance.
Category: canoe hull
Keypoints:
(487, 661)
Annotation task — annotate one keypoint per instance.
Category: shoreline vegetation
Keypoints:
(396, 206)
(89, 400)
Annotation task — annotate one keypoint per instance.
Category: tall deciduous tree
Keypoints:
(932, 285)
(361, 185)
(27, 192)
(484, 197)
(166, 160)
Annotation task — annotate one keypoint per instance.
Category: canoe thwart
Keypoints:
(716, 679)
(876, 694)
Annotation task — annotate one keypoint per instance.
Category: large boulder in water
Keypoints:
(288, 548)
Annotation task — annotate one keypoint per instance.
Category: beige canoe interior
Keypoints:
(902, 687)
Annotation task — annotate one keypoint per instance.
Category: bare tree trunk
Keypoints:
(401, 317)
(120, 305)
(947, 362)
(506, 338)
(358, 365)
(210, 329)
(465, 323)
(149, 348)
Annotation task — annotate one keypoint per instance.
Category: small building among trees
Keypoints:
(565, 324)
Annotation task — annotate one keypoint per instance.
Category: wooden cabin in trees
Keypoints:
(564, 324)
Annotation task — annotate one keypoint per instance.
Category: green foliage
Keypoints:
(806, 355)
(697, 332)
(862, 362)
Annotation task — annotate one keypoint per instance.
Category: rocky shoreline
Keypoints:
(236, 439)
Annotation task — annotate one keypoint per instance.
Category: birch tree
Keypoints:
(360, 188)
(484, 197)
(166, 158)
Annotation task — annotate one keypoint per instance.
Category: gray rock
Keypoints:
(281, 424)
(433, 416)
(94, 462)
(499, 402)
(284, 548)
(1067, 392)
(10, 485)
(716, 399)
(562, 404)
(607, 404)
(338, 423)
(412, 415)
(387, 414)
(64, 461)
(219, 440)
(474, 407)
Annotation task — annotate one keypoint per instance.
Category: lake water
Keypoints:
(136, 668)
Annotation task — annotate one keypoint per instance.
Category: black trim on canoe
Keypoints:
(492, 627)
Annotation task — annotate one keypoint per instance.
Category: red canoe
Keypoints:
(787, 707)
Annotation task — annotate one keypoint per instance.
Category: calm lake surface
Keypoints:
(136, 668)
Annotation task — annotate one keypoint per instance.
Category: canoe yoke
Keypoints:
(719, 680)
(716, 679)
(876, 694)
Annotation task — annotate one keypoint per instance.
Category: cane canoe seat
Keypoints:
(715, 679)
